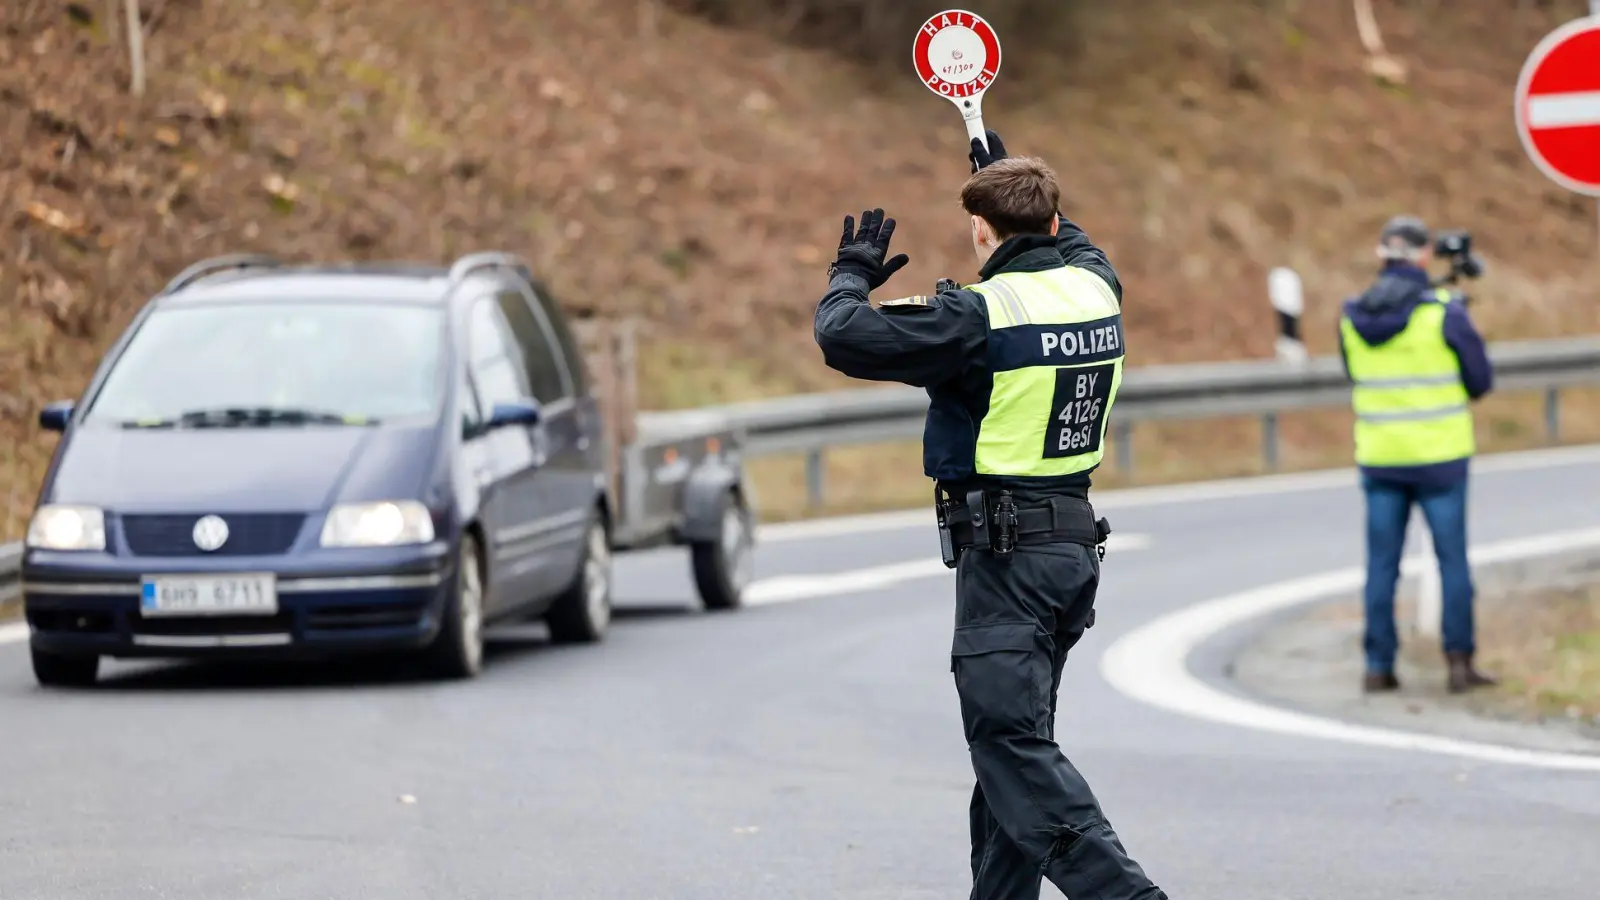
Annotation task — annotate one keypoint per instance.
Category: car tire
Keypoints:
(722, 567)
(457, 650)
(56, 670)
(583, 611)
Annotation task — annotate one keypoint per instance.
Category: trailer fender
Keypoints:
(703, 499)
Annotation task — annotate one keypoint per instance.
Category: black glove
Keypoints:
(981, 157)
(862, 252)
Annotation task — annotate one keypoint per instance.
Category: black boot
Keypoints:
(1463, 675)
(1374, 682)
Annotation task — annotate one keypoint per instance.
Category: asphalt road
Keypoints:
(803, 749)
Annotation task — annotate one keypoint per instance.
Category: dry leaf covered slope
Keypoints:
(657, 165)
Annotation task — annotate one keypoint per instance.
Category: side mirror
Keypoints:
(524, 412)
(54, 416)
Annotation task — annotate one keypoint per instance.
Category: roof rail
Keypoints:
(472, 262)
(218, 264)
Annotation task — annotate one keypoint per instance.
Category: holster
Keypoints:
(995, 521)
(945, 510)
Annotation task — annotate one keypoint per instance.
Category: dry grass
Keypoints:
(862, 28)
(1545, 646)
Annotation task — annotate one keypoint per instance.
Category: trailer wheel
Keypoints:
(722, 567)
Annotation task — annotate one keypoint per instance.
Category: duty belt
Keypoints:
(995, 521)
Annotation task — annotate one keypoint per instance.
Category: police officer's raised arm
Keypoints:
(1078, 250)
(920, 341)
(1074, 244)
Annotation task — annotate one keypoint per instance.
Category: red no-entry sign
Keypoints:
(1558, 106)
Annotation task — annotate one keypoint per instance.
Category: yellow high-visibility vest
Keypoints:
(1410, 404)
(1056, 353)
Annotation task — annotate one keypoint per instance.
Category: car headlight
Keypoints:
(63, 527)
(386, 524)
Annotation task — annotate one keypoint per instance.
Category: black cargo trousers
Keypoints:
(1033, 815)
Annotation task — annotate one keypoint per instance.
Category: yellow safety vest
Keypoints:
(1410, 405)
(1056, 352)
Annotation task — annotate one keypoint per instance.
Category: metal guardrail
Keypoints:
(812, 423)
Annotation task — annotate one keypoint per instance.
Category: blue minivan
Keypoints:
(299, 461)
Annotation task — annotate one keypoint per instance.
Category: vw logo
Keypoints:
(210, 533)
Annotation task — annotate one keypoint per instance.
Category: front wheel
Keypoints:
(457, 651)
(583, 611)
(56, 670)
(722, 566)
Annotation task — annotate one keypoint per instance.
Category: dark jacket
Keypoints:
(1382, 312)
(942, 345)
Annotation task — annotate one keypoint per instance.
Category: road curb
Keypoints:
(1566, 567)
(1151, 662)
(1310, 659)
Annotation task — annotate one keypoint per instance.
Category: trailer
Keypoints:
(676, 478)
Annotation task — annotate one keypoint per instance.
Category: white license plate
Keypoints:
(209, 595)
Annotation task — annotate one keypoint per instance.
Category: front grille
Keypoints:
(347, 618)
(249, 534)
(208, 626)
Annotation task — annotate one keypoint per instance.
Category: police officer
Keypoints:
(1021, 371)
(1416, 362)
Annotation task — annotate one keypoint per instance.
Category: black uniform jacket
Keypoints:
(940, 342)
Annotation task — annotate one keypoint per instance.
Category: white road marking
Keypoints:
(1162, 494)
(1150, 663)
(1571, 110)
(788, 588)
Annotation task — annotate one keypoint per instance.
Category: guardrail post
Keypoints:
(1288, 301)
(814, 477)
(1430, 593)
(1552, 415)
(1269, 440)
(1122, 436)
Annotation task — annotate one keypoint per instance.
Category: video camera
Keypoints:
(1456, 248)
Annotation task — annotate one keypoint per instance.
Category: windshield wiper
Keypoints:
(242, 416)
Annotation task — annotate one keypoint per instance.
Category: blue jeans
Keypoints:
(1388, 510)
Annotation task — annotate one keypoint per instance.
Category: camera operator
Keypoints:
(1416, 362)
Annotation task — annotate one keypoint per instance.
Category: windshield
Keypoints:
(281, 362)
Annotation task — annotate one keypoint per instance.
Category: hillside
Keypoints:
(655, 164)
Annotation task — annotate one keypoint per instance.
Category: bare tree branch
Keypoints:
(1367, 24)
(1380, 63)
(135, 46)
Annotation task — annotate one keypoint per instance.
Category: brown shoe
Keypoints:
(1464, 676)
(1379, 681)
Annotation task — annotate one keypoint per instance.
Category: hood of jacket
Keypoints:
(1384, 309)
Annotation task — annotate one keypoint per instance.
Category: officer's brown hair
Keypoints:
(1017, 195)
